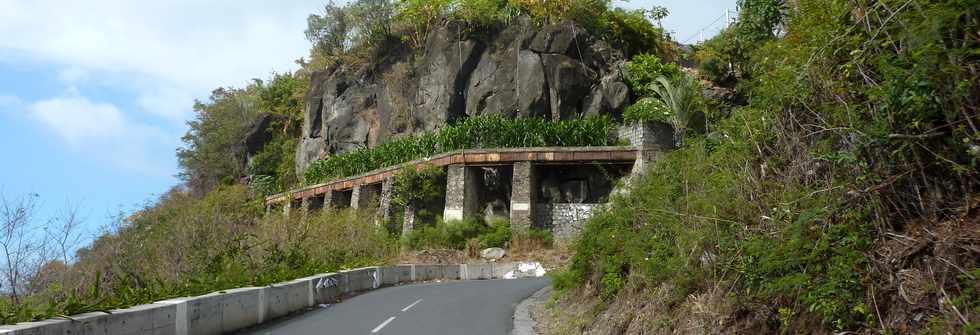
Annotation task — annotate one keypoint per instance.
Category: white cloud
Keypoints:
(73, 75)
(77, 120)
(167, 101)
(164, 51)
(101, 130)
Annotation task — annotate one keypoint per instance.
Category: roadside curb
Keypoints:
(523, 322)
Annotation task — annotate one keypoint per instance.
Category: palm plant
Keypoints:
(682, 96)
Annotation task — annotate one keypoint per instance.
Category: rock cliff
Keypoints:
(557, 71)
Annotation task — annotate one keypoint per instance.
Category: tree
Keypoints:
(681, 95)
(759, 20)
(214, 150)
(17, 242)
(420, 16)
(373, 20)
(329, 32)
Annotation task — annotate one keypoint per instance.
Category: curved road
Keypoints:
(459, 307)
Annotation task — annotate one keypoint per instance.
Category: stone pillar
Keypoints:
(358, 196)
(462, 187)
(331, 199)
(523, 197)
(650, 138)
(408, 222)
(305, 207)
(384, 204)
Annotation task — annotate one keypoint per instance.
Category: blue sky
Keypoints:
(94, 95)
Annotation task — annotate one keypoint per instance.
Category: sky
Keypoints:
(95, 94)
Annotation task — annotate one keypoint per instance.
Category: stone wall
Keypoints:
(648, 135)
(652, 139)
(565, 220)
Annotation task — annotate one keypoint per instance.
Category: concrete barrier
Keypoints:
(240, 308)
(476, 271)
(429, 272)
(501, 269)
(284, 298)
(231, 310)
(393, 275)
(142, 319)
(451, 272)
(330, 288)
(363, 279)
(204, 314)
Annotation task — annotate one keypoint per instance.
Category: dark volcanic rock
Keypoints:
(570, 85)
(562, 39)
(494, 86)
(258, 135)
(557, 71)
(443, 77)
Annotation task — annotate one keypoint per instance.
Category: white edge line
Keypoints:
(382, 325)
(412, 305)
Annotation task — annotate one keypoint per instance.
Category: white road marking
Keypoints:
(412, 305)
(382, 325)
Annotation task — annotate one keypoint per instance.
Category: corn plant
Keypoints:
(482, 131)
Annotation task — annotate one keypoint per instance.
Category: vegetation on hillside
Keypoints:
(180, 245)
(363, 30)
(839, 194)
(215, 152)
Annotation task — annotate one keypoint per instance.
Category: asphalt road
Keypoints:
(460, 307)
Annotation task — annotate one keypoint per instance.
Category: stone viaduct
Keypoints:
(554, 188)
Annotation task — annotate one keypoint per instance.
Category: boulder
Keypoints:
(492, 254)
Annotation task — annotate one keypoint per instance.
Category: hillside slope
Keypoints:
(838, 194)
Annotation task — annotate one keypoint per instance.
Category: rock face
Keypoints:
(556, 71)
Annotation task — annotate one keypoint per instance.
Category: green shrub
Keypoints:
(633, 32)
(263, 185)
(642, 72)
(681, 95)
(497, 235)
(455, 234)
(544, 236)
(647, 109)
